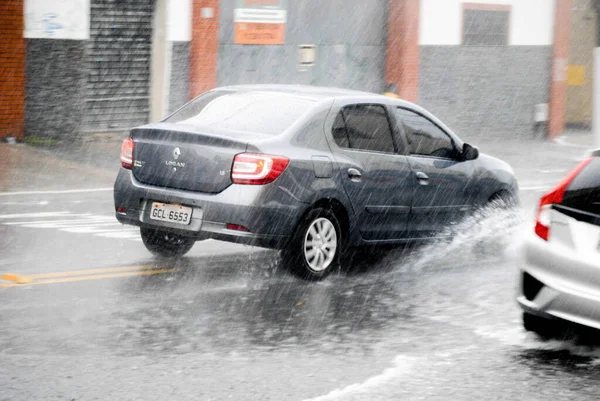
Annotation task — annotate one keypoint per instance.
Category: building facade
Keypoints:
(487, 68)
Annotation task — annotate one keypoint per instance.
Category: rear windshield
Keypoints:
(257, 112)
(583, 193)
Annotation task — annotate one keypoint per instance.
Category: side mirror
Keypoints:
(469, 152)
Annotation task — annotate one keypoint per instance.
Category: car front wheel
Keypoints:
(314, 251)
(166, 244)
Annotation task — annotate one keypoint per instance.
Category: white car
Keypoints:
(560, 273)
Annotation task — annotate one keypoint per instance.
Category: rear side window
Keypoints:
(424, 137)
(364, 127)
(338, 130)
(583, 193)
(269, 113)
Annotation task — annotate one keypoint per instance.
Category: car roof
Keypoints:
(307, 91)
(317, 93)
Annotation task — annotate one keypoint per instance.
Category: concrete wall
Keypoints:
(481, 91)
(486, 91)
(351, 43)
(582, 41)
(56, 81)
(531, 24)
(180, 75)
(179, 34)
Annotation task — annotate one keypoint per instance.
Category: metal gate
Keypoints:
(118, 60)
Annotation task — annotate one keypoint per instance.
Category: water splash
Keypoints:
(492, 232)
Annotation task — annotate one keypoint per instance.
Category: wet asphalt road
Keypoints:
(102, 319)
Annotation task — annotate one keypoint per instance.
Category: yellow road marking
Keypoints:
(91, 271)
(16, 278)
(82, 275)
(103, 276)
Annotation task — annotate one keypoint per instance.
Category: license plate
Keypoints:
(171, 213)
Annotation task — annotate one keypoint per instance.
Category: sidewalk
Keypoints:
(577, 138)
(27, 168)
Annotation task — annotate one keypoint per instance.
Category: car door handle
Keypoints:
(354, 174)
(422, 177)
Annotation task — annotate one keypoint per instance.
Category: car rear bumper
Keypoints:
(556, 281)
(269, 214)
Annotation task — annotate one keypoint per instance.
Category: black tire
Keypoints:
(296, 256)
(545, 328)
(166, 244)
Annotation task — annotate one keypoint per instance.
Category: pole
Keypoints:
(158, 65)
(596, 99)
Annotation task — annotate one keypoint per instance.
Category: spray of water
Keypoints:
(491, 232)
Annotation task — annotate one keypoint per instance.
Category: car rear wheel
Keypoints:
(314, 251)
(166, 244)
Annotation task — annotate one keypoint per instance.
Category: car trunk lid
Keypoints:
(186, 157)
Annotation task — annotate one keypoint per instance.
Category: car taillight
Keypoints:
(255, 169)
(127, 153)
(542, 218)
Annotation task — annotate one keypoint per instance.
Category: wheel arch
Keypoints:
(341, 211)
(504, 194)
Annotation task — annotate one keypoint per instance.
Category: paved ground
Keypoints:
(102, 319)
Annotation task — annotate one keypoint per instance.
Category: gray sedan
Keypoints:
(308, 170)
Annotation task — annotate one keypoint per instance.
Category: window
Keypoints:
(424, 137)
(340, 136)
(364, 127)
(485, 25)
(268, 113)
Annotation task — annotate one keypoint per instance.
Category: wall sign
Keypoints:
(57, 19)
(260, 22)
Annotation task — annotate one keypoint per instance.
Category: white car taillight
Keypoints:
(127, 153)
(542, 218)
(256, 169)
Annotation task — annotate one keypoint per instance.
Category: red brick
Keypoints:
(403, 55)
(12, 70)
(204, 48)
(558, 85)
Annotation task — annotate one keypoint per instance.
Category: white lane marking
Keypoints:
(402, 366)
(66, 191)
(536, 188)
(562, 140)
(71, 225)
(35, 203)
(96, 229)
(32, 215)
(81, 218)
(102, 226)
(121, 234)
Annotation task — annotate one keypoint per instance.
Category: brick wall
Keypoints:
(402, 55)
(560, 57)
(12, 69)
(204, 46)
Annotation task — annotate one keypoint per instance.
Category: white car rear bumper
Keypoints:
(566, 282)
